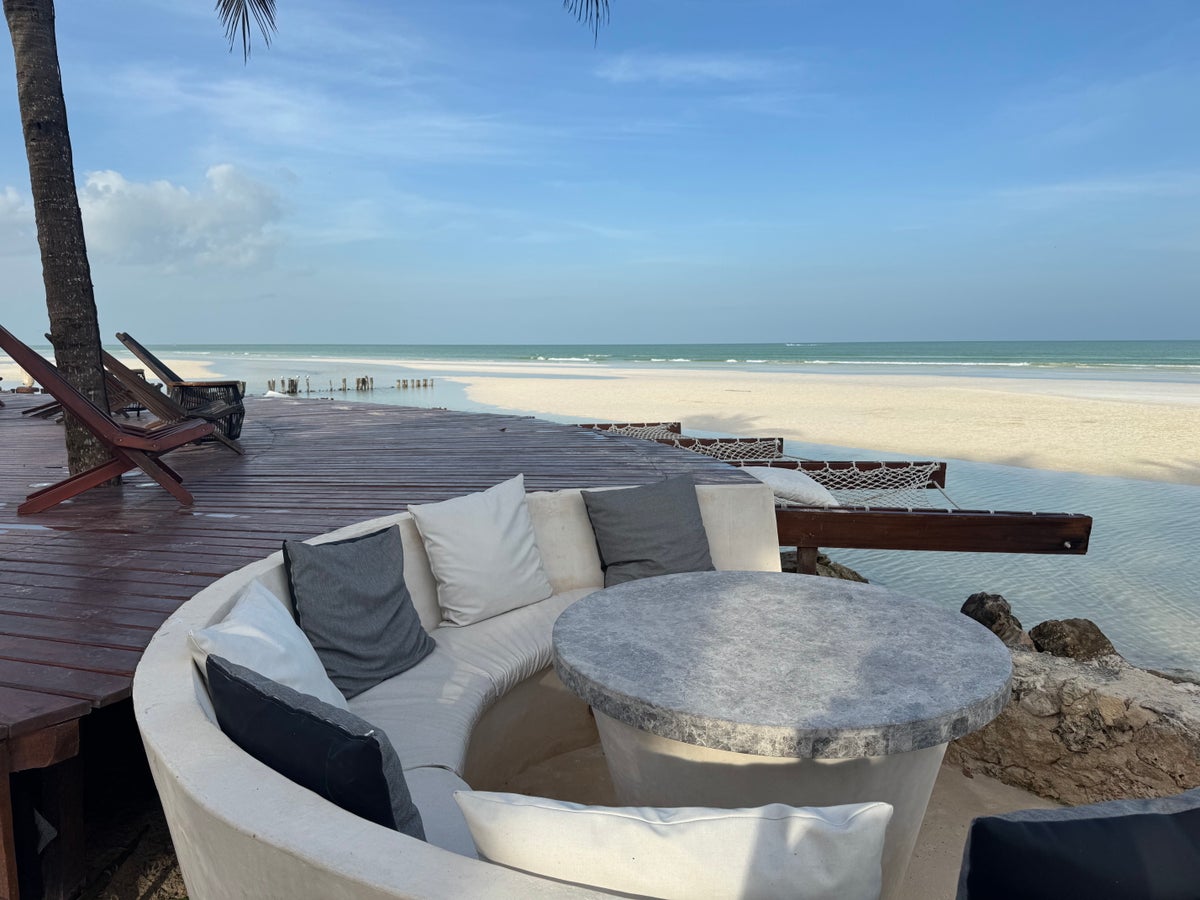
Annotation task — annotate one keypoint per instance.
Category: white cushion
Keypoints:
(483, 552)
(432, 791)
(739, 520)
(793, 485)
(565, 540)
(260, 634)
(830, 853)
(511, 647)
(429, 711)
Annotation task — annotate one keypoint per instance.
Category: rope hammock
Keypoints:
(906, 485)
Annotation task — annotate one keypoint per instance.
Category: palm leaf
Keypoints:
(236, 16)
(592, 13)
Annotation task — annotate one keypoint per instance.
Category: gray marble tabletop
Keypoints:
(781, 665)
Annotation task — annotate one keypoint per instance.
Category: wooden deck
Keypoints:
(84, 585)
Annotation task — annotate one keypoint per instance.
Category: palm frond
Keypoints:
(592, 13)
(235, 15)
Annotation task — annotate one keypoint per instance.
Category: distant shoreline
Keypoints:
(1133, 426)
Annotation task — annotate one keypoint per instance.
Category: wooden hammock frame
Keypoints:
(808, 528)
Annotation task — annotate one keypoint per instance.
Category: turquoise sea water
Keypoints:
(1140, 579)
(1137, 360)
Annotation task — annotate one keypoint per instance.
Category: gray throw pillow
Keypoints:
(351, 601)
(330, 751)
(650, 530)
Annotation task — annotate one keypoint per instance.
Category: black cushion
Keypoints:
(1122, 850)
(330, 751)
(650, 530)
(351, 600)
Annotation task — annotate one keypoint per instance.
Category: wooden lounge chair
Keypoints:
(130, 445)
(120, 402)
(167, 409)
(193, 394)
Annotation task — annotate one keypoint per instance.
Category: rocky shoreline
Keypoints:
(1083, 724)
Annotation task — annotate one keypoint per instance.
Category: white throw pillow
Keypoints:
(483, 552)
(775, 851)
(793, 485)
(260, 634)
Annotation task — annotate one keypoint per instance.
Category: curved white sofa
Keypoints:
(481, 708)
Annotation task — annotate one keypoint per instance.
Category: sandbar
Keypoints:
(1146, 430)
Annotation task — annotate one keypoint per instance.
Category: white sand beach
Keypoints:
(1148, 430)
(1136, 429)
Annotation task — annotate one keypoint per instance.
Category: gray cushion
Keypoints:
(650, 530)
(351, 601)
(1121, 850)
(330, 751)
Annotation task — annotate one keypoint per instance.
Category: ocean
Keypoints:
(1140, 580)
(1156, 360)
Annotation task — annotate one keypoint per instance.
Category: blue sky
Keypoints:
(759, 170)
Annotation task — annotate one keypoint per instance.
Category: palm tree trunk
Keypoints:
(74, 327)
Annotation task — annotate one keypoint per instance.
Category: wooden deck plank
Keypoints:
(22, 712)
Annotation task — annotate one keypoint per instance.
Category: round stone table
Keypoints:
(739, 689)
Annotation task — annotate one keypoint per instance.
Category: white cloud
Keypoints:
(1135, 187)
(228, 224)
(308, 117)
(18, 235)
(1070, 112)
(687, 68)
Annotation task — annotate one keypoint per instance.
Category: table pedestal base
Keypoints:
(648, 770)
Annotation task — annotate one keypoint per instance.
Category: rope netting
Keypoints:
(733, 450)
(645, 432)
(904, 486)
(895, 486)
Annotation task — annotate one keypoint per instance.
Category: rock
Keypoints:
(1082, 732)
(1079, 639)
(825, 566)
(994, 613)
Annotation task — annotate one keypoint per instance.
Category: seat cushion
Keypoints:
(328, 750)
(511, 647)
(351, 600)
(432, 790)
(483, 552)
(653, 529)
(429, 711)
(775, 851)
(1121, 850)
(565, 540)
(793, 485)
(260, 634)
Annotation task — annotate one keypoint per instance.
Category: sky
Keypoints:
(423, 171)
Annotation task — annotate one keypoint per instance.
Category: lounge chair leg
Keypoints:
(170, 480)
(162, 465)
(69, 487)
(228, 442)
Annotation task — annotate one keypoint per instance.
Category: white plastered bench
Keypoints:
(484, 706)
